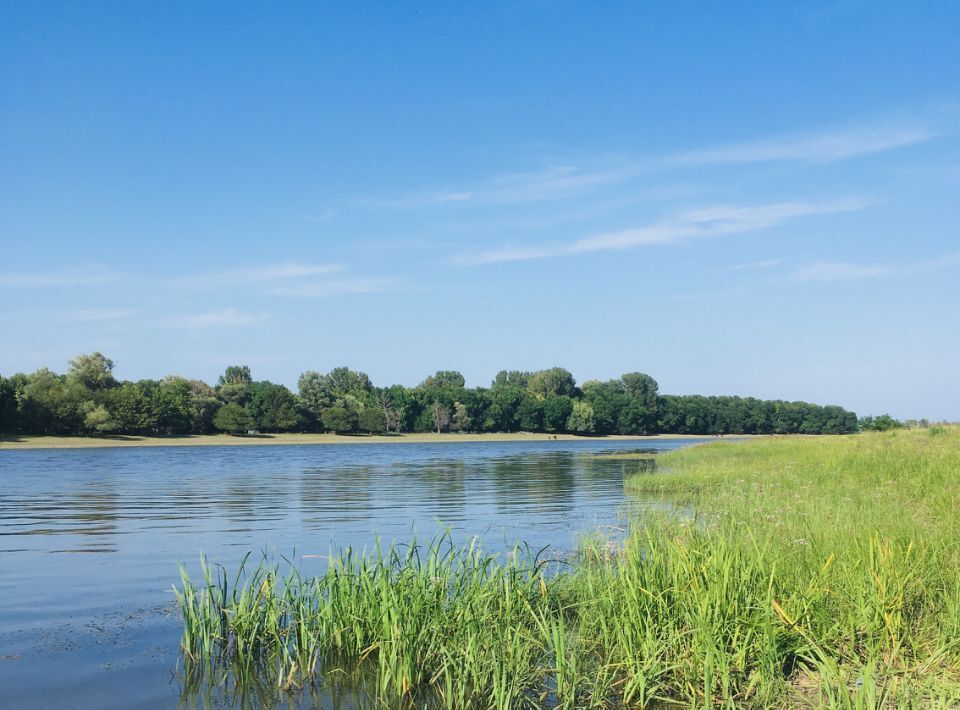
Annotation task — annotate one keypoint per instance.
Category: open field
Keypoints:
(83, 442)
(797, 572)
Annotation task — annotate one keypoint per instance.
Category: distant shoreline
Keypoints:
(12, 442)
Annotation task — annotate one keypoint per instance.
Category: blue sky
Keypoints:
(737, 198)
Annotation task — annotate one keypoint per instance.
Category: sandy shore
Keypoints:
(81, 442)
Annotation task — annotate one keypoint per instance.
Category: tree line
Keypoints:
(89, 400)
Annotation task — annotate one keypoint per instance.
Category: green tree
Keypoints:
(340, 419)
(884, 422)
(581, 420)
(99, 420)
(238, 393)
(51, 404)
(130, 409)
(511, 378)
(321, 392)
(273, 407)
(606, 399)
(390, 401)
(172, 405)
(235, 375)
(344, 381)
(638, 412)
(553, 382)
(203, 406)
(440, 416)
(461, 420)
(502, 414)
(8, 405)
(556, 412)
(232, 418)
(530, 414)
(93, 371)
(444, 379)
(316, 392)
(372, 421)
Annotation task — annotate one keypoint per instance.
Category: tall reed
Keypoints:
(818, 572)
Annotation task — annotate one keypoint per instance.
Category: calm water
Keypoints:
(90, 539)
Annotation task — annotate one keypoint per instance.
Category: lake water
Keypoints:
(90, 539)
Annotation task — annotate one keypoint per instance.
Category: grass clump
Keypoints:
(818, 572)
(434, 624)
(859, 542)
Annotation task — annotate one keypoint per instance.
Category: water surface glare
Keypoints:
(90, 539)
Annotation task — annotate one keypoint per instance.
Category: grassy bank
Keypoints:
(85, 442)
(798, 572)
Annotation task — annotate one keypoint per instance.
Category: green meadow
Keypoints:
(791, 572)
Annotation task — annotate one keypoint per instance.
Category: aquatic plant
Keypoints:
(812, 572)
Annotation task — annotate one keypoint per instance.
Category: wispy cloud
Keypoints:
(295, 279)
(700, 223)
(320, 217)
(90, 315)
(259, 275)
(550, 183)
(291, 279)
(225, 318)
(569, 179)
(413, 200)
(333, 287)
(840, 271)
(823, 146)
(847, 271)
(61, 278)
(754, 265)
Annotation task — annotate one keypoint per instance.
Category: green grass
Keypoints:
(798, 572)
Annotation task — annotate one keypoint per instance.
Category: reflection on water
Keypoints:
(136, 513)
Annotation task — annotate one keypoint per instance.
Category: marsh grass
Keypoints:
(818, 572)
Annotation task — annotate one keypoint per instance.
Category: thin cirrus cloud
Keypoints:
(58, 278)
(224, 318)
(814, 147)
(293, 279)
(563, 181)
(755, 265)
(289, 279)
(847, 271)
(430, 198)
(306, 280)
(333, 287)
(259, 275)
(699, 223)
(93, 315)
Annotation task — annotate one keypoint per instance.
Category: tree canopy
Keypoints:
(88, 400)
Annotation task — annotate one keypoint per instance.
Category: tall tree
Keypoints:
(553, 382)
(372, 420)
(341, 419)
(441, 416)
(232, 418)
(581, 420)
(511, 378)
(51, 404)
(235, 375)
(444, 379)
(461, 421)
(556, 412)
(8, 405)
(93, 371)
(273, 407)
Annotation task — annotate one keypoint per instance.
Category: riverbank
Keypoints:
(795, 572)
(82, 442)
